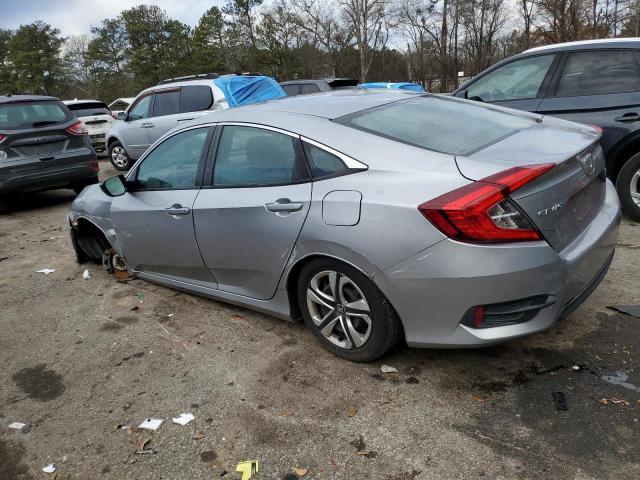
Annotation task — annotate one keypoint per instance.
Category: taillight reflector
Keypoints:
(78, 128)
(463, 213)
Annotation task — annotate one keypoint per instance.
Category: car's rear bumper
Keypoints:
(433, 290)
(49, 175)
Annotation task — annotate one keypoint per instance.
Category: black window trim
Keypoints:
(555, 83)
(132, 176)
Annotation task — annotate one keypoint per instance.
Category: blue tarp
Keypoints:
(247, 89)
(414, 87)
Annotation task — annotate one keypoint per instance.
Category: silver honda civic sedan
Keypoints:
(375, 216)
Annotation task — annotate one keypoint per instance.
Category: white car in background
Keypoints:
(97, 118)
(119, 106)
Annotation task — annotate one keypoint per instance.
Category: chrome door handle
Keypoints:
(148, 125)
(283, 205)
(186, 119)
(177, 209)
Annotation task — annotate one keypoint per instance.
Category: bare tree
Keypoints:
(482, 21)
(369, 21)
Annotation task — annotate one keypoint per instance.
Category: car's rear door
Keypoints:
(165, 113)
(248, 219)
(520, 83)
(600, 87)
(154, 219)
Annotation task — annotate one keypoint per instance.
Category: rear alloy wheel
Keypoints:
(628, 186)
(119, 157)
(346, 311)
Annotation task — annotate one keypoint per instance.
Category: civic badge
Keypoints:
(587, 164)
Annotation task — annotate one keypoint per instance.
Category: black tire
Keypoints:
(625, 183)
(385, 329)
(78, 187)
(120, 158)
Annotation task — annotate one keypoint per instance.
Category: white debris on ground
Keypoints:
(183, 419)
(49, 468)
(86, 275)
(151, 423)
(388, 369)
(17, 425)
(46, 271)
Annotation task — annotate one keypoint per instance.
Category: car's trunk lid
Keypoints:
(563, 201)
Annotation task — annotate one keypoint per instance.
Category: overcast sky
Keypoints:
(75, 17)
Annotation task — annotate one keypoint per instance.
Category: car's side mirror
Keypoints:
(122, 116)
(114, 186)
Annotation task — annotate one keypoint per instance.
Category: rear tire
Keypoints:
(119, 157)
(357, 323)
(78, 187)
(628, 187)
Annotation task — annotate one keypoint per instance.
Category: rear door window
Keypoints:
(600, 72)
(194, 98)
(291, 90)
(249, 157)
(166, 103)
(517, 80)
(19, 115)
(440, 124)
(307, 88)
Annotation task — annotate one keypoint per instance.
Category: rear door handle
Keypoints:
(284, 205)
(628, 117)
(176, 210)
(148, 125)
(186, 119)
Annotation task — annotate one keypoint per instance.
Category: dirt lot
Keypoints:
(81, 357)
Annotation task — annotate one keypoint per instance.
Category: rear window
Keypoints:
(89, 109)
(19, 115)
(194, 98)
(438, 124)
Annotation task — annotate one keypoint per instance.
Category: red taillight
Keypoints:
(114, 115)
(78, 128)
(95, 166)
(597, 127)
(481, 211)
(2, 137)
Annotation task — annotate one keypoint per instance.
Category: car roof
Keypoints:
(329, 105)
(25, 98)
(602, 43)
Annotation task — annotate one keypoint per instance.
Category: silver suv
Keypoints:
(175, 101)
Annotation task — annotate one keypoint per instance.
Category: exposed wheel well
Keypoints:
(111, 140)
(91, 242)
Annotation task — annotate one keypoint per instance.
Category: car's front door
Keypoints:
(518, 84)
(599, 87)
(248, 220)
(154, 220)
(135, 137)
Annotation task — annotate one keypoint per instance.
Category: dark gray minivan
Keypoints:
(596, 82)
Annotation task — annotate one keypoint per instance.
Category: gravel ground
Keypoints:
(81, 358)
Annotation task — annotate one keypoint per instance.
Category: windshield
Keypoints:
(89, 109)
(440, 124)
(15, 116)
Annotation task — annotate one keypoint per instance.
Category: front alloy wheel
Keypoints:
(345, 311)
(118, 156)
